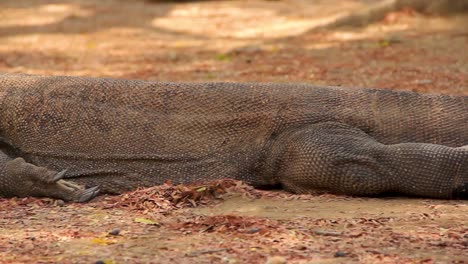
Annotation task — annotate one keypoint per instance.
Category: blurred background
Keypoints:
(412, 44)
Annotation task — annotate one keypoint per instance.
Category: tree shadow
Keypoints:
(88, 17)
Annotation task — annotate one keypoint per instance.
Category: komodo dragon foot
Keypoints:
(21, 179)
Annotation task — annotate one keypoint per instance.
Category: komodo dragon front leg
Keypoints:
(21, 179)
(339, 158)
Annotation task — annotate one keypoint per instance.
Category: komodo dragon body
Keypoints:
(62, 133)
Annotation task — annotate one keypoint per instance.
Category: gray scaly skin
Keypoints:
(121, 134)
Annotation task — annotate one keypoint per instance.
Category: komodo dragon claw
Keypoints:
(88, 194)
(58, 176)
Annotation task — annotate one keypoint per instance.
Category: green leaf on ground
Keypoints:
(145, 221)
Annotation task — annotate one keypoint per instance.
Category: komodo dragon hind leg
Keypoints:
(22, 179)
(339, 158)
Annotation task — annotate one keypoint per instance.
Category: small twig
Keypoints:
(207, 251)
(327, 233)
(208, 228)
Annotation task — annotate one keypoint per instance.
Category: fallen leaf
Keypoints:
(146, 221)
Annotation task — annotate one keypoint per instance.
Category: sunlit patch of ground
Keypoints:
(274, 41)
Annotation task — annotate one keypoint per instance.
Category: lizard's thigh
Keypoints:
(330, 157)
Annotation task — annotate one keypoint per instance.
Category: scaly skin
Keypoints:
(120, 134)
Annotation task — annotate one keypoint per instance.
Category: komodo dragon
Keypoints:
(60, 134)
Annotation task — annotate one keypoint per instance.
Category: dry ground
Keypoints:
(275, 41)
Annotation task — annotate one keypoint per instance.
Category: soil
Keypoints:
(228, 222)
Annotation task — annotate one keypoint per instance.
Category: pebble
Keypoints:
(253, 230)
(340, 254)
(114, 232)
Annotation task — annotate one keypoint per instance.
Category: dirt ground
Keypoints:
(228, 222)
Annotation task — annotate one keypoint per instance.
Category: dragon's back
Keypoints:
(105, 117)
